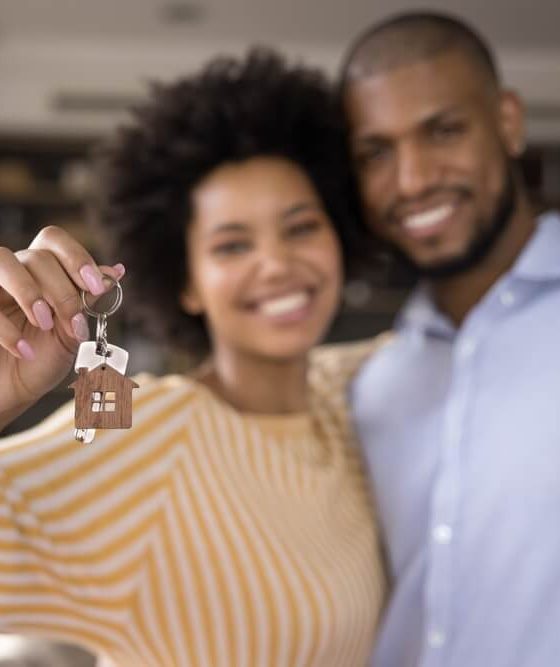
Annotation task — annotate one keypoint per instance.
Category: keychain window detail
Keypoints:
(103, 401)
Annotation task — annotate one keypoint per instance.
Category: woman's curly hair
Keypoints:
(232, 110)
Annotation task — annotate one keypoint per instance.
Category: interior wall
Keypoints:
(34, 72)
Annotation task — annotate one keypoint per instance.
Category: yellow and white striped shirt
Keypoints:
(200, 537)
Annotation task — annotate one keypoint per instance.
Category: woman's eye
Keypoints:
(231, 248)
(304, 228)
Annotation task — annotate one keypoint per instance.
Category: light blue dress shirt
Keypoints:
(461, 429)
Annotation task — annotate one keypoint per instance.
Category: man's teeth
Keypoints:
(428, 218)
(285, 304)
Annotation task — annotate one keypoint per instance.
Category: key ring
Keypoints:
(101, 333)
(114, 307)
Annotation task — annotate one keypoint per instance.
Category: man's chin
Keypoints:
(440, 267)
(444, 267)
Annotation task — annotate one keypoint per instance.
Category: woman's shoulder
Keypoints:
(332, 369)
(337, 363)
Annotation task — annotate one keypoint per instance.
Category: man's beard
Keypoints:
(479, 248)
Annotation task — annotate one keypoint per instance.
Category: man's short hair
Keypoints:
(415, 37)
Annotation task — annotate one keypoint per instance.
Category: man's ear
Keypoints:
(190, 301)
(512, 123)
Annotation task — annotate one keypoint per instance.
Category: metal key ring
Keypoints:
(115, 306)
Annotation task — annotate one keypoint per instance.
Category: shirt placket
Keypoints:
(446, 500)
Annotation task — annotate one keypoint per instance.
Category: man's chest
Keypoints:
(465, 431)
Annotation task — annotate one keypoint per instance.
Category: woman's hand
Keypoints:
(41, 319)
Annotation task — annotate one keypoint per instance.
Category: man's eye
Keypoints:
(447, 130)
(231, 248)
(371, 155)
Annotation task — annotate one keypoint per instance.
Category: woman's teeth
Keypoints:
(284, 305)
(428, 218)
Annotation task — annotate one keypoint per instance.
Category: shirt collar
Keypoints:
(420, 314)
(539, 261)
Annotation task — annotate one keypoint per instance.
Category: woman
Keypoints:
(231, 525)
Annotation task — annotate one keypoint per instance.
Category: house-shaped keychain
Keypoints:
(103, 398)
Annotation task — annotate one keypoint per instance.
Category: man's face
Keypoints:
(432, 143)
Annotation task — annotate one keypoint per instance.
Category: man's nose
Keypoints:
(416, 171)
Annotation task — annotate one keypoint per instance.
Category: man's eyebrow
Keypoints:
(379, 137)
(441, 114)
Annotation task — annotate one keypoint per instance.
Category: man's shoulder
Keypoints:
(386, 364)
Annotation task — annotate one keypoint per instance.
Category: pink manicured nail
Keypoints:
(80, 327)
(25, 349)
(119, 268)
(92, 279)
(42, 314)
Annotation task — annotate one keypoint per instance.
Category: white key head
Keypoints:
(87, 358)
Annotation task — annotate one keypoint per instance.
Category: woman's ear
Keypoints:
(190, 301)
(512, 123)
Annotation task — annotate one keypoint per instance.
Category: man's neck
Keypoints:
(456, 296)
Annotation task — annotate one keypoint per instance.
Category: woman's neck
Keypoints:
(256, 385)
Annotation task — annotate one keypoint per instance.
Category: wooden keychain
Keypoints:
(102, 392)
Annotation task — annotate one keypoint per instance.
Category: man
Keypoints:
(460, 414)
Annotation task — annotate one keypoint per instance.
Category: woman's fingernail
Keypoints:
(25, 349)
(42, 314)
(80, 327)
(92, 279)
(119, 268)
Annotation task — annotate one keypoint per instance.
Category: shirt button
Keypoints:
(467, 348)
(436, 639)
(443, 534)
(507, 298)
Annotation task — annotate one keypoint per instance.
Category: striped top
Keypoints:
(200, 537)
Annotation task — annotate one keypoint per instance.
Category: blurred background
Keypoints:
(70, 68)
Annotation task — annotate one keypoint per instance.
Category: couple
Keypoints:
(233, 525)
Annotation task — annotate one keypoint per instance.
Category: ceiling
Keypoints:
(100, 53)
(513, 24)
